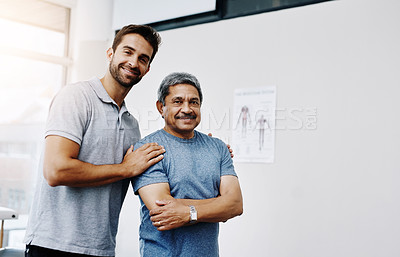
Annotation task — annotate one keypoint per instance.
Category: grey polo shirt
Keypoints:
(84, 220)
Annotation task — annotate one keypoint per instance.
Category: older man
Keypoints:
(186, 194)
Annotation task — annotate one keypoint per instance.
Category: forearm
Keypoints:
(168, 213)
(76, 173)
(196, 202)
(227, 205)
(61, 165)
(219, 209)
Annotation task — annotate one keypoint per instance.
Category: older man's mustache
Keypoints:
(186, 117)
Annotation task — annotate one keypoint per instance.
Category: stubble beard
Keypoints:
(116, 74)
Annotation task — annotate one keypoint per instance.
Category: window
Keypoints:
(34, 61)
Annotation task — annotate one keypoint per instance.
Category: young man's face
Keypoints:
(181, 111)
(131, 60)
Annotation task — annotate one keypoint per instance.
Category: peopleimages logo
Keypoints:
(286, 118)
(296, 118)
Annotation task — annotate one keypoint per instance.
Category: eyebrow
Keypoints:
(180, 98)
(134, 50)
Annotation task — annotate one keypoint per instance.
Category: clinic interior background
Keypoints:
(332, 189)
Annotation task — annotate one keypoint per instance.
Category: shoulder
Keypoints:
(73, 99)
(70, 96)
(213, 144)
(153, 137)
(209, 139)
(79, 86)
(76, 90)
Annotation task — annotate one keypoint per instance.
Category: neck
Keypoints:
(115, 90)
(183, 135)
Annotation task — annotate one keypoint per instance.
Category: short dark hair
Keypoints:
(147, 32)
(176, 78)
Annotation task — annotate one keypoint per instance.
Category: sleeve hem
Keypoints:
(63, 134)
(137, 187)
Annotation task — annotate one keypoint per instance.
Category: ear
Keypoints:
(110, 53)
(160, 108)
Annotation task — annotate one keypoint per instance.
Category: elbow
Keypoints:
(236, 209)
(53, 183)
(51, 179)
(239, 206)
(234, 212)
(50, 173)
(239, 210)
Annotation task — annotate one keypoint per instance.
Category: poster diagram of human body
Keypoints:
(253, 134)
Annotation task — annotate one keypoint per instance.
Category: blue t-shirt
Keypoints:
(193, 168)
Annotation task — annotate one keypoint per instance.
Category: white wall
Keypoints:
(332, 191)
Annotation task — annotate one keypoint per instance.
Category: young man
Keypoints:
(186, 194)
(88, 155)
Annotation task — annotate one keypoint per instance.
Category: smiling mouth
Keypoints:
(130, 72)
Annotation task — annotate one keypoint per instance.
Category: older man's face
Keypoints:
(181, 110)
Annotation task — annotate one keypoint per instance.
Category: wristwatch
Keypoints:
(193, 214)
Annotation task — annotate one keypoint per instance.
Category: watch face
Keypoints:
(193, 214)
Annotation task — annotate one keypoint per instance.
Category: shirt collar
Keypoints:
(102, 94)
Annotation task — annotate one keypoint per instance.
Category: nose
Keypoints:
(186, 108)
(133, 62)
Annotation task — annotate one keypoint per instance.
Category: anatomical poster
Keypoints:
(253, 123)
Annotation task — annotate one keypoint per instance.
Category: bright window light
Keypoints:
(31, 38)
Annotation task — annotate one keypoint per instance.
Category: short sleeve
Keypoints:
(227, 167)
(68, 114)
(154, 174)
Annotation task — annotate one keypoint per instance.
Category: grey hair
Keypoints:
(176, 78)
